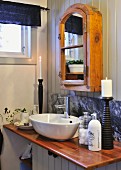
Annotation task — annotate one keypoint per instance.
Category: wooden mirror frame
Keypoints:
(92, 43)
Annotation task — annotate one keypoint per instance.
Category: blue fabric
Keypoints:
(19, 13)
(24, 167)
(74, 25)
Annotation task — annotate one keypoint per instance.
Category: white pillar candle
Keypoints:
(106, 88)
(40, 67)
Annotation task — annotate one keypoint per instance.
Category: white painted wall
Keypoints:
(18, 83)
(110, 10)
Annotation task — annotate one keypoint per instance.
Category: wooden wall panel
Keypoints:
(96, 4)
(53, 45)
(101, 168)
(78, 1)
(89, 2)
(49, 49)
(58, 163)
(57, 58)
(72, 166)
(118, 165)
(111, 167)
(118, 48)
(103, 8)
(65, 164)
(66, 4)
(72, 2)
(35, 157)
(83, 1)
(112, 44)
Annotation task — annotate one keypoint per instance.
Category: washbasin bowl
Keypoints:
(55, 126)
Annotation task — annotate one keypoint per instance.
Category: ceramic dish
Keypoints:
(25, 127)
(20, 125)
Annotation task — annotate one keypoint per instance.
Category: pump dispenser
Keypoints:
(94, 134)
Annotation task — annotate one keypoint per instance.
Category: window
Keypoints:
(15, 44)
(14, 40)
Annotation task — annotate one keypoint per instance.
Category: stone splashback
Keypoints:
(80, 104)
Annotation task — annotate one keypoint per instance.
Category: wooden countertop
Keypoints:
(71, 150)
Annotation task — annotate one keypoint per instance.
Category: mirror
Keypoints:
(74, 30)
(74, 52)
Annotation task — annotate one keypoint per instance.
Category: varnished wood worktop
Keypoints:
(71, 150)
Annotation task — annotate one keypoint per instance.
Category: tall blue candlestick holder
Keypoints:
(40, 95)
(107, 133)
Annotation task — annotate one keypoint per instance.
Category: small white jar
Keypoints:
(83, 138)
(24, 117)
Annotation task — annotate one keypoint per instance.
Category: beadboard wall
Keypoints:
(88, 101)
(110, 10)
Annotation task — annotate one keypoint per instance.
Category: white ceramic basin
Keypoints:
(55, 126)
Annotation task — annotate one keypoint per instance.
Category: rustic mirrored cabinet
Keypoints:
(81, 48)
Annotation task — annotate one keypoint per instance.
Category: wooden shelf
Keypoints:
(74, 73)
(73, 82)
(70, 47)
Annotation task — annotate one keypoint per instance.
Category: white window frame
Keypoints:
(28, 56)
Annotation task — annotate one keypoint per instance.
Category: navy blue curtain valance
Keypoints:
(20, 14)
(74, 25)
